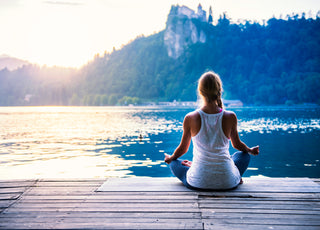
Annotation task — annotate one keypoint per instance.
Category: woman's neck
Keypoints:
(211, 108)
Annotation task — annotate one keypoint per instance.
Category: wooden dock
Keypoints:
(158, 203)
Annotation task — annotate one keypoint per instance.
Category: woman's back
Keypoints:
(212, 165)
(227, 120)
(211, 135)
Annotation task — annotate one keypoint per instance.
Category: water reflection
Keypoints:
(77, 141)
(91, 142)
(269, 125)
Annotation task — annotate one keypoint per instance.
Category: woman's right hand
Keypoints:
(167, 158)
(254, 150)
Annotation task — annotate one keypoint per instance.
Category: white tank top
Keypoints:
(212, 166)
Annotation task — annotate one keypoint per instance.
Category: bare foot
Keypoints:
(186, 163)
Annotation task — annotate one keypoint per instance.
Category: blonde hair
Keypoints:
(210, 88)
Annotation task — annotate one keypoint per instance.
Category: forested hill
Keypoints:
(274, 63)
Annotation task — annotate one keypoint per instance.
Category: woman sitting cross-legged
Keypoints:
(210, 129)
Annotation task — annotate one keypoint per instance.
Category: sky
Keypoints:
(70, 32)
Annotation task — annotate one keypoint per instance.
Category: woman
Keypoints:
(210, 129)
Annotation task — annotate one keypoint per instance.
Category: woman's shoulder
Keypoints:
(229, 121)
(193, 121)
(194, 115)
(229, 115)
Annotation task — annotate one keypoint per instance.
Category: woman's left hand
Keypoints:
(254, 150)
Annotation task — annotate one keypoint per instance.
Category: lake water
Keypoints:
(99, 142)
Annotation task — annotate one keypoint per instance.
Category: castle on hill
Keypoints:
(184, 11)
(182, 31)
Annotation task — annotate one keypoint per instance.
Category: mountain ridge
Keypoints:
(11, 63)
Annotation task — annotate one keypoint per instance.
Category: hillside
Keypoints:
(274, 63)
(11, 63)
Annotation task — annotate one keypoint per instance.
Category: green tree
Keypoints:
(112, 100)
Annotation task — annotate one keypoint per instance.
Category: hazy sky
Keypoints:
(71, 32)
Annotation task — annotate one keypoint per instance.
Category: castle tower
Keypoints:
(201, 14)
(210, 18)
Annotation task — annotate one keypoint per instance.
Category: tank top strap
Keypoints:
(202, 113)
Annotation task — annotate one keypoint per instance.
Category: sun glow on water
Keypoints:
(73, 141)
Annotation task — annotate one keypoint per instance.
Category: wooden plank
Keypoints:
(268, 188)
(85, 214)
(102, 225)
(296, 198)
(145, 193)
(112, 197)
(260, 216)
(173, 184)
(17, 180)
(315, 203)
(142, 184)
(99, 180)
(9, 196)
(253, 194)
(36, 198)
(99, 205)
(281, 182)
(205, 212)
(60, 190)
(68, 184)
(12, 190)
(251, 205)
(65, 192)
(215, 194)
(264, 221)
(64, 188)
(10, 184)
(103, 220)
(25, 202)
(208, 211)
(277, 179)
(105, 202)
(118, 223)
(316, 180)
(213, 226)
(101, 209)
(6, 203)
(259, 195)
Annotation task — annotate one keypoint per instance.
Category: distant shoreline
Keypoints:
(178, 105)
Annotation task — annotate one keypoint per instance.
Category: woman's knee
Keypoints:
(174, 164)
(175, 167)
(241, 156)
(241, 160)
(178, 169)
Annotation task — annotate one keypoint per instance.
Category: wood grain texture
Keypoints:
(158, 203)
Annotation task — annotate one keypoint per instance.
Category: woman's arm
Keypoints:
(184, 143)
(235, 140)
